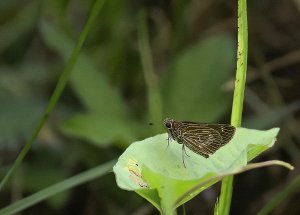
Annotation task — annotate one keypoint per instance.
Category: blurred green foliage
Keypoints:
(104, 107)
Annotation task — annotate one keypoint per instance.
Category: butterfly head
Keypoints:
(168, 123)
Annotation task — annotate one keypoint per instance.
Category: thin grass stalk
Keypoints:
(281, 196)
(64, 185)
(154, 97)
(61, 84)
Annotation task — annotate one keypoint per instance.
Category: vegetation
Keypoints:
(133, 64)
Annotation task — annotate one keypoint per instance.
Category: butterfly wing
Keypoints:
(225, 130)
(206, 139)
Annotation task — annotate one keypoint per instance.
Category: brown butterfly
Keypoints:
(202, 138)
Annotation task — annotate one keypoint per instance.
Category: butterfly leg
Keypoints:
(168, 139)
(183, 150)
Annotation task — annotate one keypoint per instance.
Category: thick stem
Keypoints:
(238, 98)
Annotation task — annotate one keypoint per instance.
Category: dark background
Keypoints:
(104, 107)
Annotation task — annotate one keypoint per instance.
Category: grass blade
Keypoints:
(57, 188)
(58, 89)
(154, 98)
(281, 196)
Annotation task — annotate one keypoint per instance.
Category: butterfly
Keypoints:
(202, 138)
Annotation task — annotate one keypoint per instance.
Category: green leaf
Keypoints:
(90, 85)
(58, 90)
(193, 89)
(158, 174)
(107, 118)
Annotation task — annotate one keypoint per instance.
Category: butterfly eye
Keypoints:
(168, 125)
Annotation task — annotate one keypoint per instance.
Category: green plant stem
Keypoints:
(58, 89)
(57, 188)
(238, 98)
(154, 98)
(226, 195)
(237, 107)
